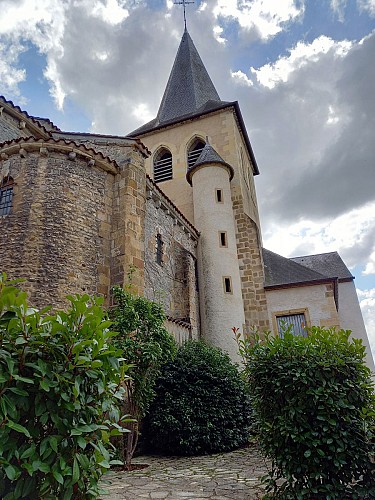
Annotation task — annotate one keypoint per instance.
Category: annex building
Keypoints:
(175, 200)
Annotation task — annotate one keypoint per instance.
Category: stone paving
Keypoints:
(226, 476)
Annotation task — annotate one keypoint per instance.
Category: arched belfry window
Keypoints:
(6, 195)
(163, 170)
(194, 151)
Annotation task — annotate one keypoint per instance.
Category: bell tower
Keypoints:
(191, 110)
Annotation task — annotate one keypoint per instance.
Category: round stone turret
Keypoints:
(220, 284)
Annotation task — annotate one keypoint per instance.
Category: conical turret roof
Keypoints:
(189, 86)
(209, 156)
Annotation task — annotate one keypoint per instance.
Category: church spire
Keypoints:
(189, 86)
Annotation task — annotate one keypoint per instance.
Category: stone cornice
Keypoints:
(22, 146)
(104, 139)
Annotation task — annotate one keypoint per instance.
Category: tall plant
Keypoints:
(202, 405)
(315, 407)
(60, 386)
(146, 346)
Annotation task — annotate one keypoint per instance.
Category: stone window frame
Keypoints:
(227, 285)
(6, 195)
(162, 164)
(290, 312)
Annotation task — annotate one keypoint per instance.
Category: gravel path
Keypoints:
(232, 476)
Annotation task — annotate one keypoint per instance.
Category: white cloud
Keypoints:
(142, 111)
(302, 54)
(351, 234)
(56, 89)
(370, 266)
(39, 21)
(10, 75)
(338, 7)
(367, 5)
(241, 78)
(43, 23)
(267, 16)
(111, 11)
(218, 31)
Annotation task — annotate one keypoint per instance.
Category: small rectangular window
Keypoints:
(227, 280)
(223, 239)
(219, 196)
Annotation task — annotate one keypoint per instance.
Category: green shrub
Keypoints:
(60, 381)
(146, 345)
(314, 406)
(201, 405)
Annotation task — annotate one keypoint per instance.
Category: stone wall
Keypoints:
(128, 218)
(172, 281)
(77, 219)
(128, 223)
(54, 236)
(251, 268)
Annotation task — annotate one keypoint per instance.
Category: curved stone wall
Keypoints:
(57, 235)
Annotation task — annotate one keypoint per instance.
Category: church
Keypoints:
(171, 206)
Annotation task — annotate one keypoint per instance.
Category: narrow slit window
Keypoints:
(227, 284)
(159, 249)
(219, 196)
(223, 239)
(6, 195)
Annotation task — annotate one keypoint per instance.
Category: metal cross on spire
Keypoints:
(184, 3)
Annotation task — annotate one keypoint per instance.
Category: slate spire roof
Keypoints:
(189, 86)
(190, 94)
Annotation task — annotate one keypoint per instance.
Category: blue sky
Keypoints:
(302, 71)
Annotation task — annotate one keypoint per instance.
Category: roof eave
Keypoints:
(299, 284)
(233, 104)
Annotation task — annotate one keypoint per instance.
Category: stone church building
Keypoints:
(175, 200)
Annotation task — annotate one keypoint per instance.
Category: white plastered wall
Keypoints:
(351, 317)
(220, 311)
(319, 309)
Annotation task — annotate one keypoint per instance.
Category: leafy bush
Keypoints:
(59, 384)
(314, 405)
(201, 406)
(146, 346)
